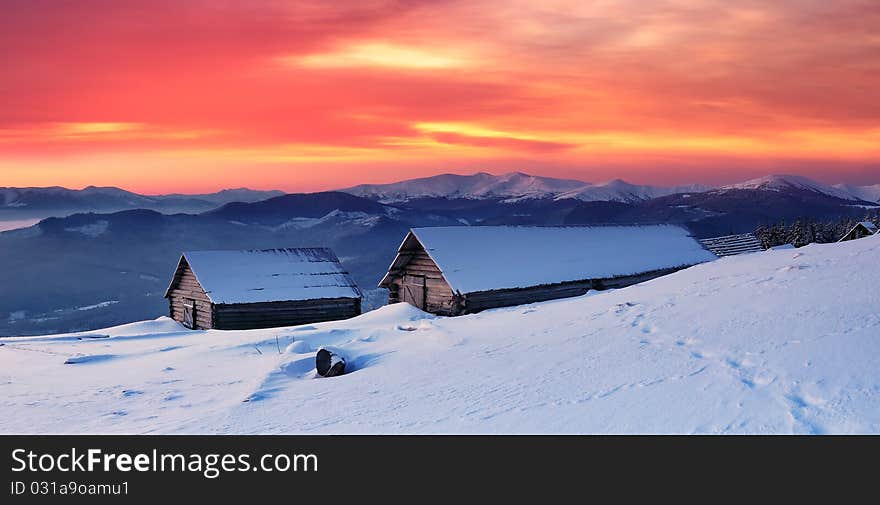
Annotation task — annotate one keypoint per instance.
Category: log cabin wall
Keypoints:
(278, 314)
(629, 280)
(478, 301)
(185, 290)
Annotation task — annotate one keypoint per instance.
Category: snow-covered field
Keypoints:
(784, 341)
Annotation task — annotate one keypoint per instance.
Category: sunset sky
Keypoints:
(197, 95)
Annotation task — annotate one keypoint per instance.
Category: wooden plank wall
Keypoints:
(277, 314)
(475, 302)
(187, 287)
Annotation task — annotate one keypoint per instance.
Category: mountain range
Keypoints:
(867, 193)
(516, 186)
(512, 186)
(22, 203)
(96, 269)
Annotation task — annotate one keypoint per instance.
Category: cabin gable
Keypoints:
(860, 230)
(415, 278)
(187, 300)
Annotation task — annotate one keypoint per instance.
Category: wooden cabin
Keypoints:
(237, 290)
(860, 230)
(466, 269)
(732, 245)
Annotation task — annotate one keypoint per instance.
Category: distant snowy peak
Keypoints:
(788, 182)
(866, 193)
(519, 184)
(511, 186)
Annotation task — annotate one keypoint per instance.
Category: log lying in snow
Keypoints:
(329, 363)
(92, 335)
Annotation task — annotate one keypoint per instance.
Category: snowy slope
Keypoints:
(773, 342)
(866, 193)
(622, 191)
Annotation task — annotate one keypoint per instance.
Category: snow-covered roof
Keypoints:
(270, 275)
(870, 226)
(484, 258)
(731, 245)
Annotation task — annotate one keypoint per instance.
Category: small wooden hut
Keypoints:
(235, 290)
(860, 230)
(464, 269)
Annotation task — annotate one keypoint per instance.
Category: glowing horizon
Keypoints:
(169, 97)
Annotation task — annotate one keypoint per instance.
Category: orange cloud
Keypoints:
(382, 55)
(327, 94)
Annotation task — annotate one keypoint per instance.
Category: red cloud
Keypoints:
(206, 76)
